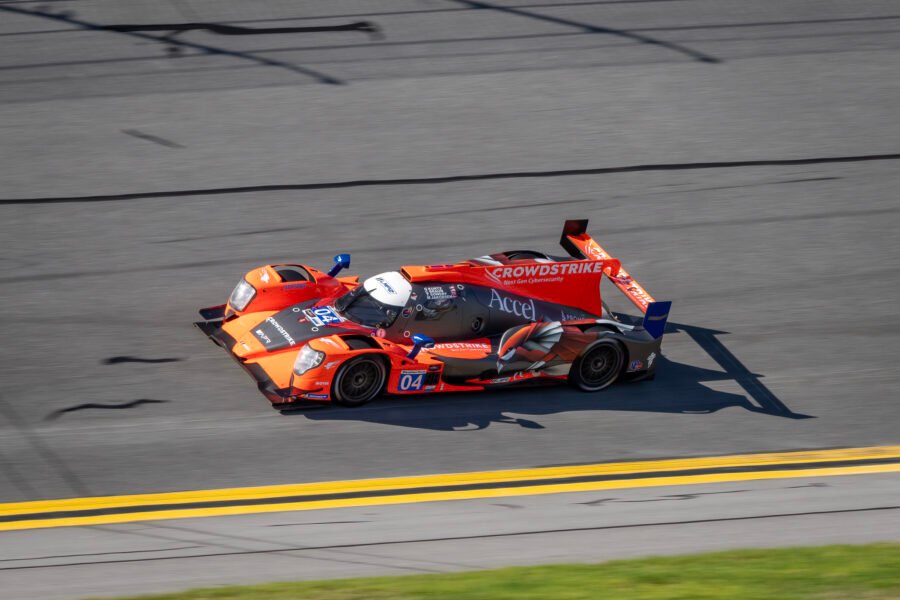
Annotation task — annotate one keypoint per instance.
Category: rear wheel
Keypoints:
(598, 367)
(359, 380)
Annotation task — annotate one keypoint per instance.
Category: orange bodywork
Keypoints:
(293, 306)
(619, 276)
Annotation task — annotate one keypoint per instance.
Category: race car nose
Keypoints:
(246, 346)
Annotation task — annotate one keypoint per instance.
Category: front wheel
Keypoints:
(359, 380)
(598, 367)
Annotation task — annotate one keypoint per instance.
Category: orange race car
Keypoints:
(497, 320)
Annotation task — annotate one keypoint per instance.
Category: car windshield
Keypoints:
(358, 306)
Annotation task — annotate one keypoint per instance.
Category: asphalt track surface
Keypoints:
(741, 158)
(159, 556)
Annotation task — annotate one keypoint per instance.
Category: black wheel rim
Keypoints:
(360, 381)
(599, 365)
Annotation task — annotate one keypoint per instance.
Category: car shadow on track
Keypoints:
(679, 389)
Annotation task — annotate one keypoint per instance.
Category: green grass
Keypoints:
(870, 572)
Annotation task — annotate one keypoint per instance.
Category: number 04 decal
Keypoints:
(411, 381)
(322, 315)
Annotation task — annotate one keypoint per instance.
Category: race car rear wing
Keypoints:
(579, 244)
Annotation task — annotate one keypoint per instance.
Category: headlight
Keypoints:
(242, 295)
(307, 359)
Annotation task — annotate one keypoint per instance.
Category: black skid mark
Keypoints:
(588, 28)
(151, 138)
(693, 496)
(316, 523)
(116, 360)
(178, 45)
(175, 28)
(131, 404)
(542, 174)
(598, 502)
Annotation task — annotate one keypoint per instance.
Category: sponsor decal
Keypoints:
(517, 376)
(294, 286)
(430, 388)
(330, 342)
(513, 306)
(411, 381)
(264, 276)
(438, 292)
(463, 346)
(650, 359)
(631, 287)
(622, 279)
(322, 315)
(564, 316)
(592, 250)
(322, 383)
(635, 365)
(640, 294)
(542, 273)
(278, 326)
(332, 364)
(262, 336)
(385, 285)
(316, 396)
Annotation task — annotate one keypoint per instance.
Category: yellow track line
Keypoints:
(453, 495)
(400, 483)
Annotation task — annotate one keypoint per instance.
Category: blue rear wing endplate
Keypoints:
(656, 317)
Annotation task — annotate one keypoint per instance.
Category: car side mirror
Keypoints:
(419, 341)
(341, 261)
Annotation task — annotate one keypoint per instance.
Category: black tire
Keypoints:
(598, 366)
(359, 380)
